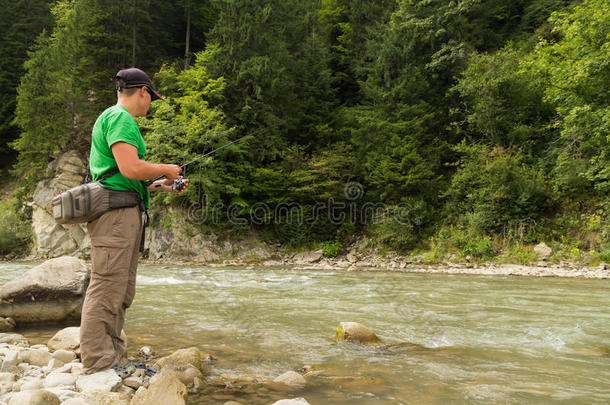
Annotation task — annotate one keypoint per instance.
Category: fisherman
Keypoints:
(117, 156)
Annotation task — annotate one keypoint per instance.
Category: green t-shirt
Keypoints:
(114, 125)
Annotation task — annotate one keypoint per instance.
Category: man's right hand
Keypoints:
(172, 171)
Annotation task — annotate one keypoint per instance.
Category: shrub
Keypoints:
(15, 234)
(330, 248)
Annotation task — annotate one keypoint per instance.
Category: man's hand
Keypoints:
(166, 185)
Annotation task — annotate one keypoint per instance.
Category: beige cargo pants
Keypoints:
(115, 242)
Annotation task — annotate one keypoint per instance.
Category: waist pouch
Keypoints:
(90, 201)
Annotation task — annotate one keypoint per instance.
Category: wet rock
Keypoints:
(36, 357)
(167, 390)
(542, 250)
(105, 398)
(182, 357)
(7, 324)
(13, 339)
(308, 257)
(187, 374)
(355, 332)
(50, 292)
(7, 377)
(145, 352)
(65, 356)
(134, 382)
(34, 397)
(59, 379)
(75, 401)
(295, 401)
(291, 379)
(65, 339)
(106, 380)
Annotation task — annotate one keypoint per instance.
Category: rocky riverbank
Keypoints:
(50, 374)
(356, 262)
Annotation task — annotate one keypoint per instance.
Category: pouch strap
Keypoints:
(143, 208)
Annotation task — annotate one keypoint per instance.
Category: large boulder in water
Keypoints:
(51, 292)
(355, 332)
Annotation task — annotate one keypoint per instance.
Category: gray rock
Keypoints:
(7, 377)
(13, 339)
(59, 379)
(34, 397)
(167, 390)
(65, 339)
(542, 250)
(291, 379)
(106, 381)
(308, 257)
(7, 324)
(105, 398)
(65, 356)
(50, 292)
(36, 357)
(182, 357)
(75, 401)
(294, 401)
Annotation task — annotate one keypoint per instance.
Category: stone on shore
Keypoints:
(166, 390)
(65, 356)
(182, 357)
(355, 332)
(291, 379)
(50, 292)
(188, 375)
(13, 339)
(106, 381)
(34, 397)
(308, 257)
(65, 339)
(105, 398)
(543, 250)
(7, 324)
(294, 401)
(59, 379)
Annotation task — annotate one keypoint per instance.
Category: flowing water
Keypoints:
(479, 339)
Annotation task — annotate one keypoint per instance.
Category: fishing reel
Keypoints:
(178, 185)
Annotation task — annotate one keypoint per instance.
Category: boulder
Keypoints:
(50, 292)
(50, 238)
(291, 379)
(355, 332)
(34, 397)
(104, 398)
(182, 357)
(294, 401)
(35, 357)
(167, 390)
(106, 381)
(65, 356)
(187, 374)
(542, 250)
(59, 379)
(13, 339)
(65, 339)
(308, 257)
(7, 324)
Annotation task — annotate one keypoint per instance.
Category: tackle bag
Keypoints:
(90, 201)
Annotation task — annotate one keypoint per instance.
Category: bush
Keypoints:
(15, 234)
(604, 256)
(330, 248)
(479, 248)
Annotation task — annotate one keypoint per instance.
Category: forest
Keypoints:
(475, 128)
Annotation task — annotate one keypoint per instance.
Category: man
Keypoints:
(117, 156)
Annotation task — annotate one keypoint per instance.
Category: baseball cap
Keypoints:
(134, 77)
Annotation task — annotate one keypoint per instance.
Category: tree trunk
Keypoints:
(187, 50)
(133, 36)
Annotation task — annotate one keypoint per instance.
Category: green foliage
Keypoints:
(478, 248)
(604, 256)
(493, 192)
(15, 233)
(330, 248)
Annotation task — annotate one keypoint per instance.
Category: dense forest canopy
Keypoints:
(476, 124)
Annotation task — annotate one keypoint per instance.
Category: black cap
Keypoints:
(134, 77)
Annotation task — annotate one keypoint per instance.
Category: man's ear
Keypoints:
(142, 90)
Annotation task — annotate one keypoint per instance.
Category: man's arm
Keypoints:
(126, 156)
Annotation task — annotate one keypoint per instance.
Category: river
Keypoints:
(482, 339)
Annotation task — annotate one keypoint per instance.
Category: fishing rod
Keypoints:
(179, 182)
